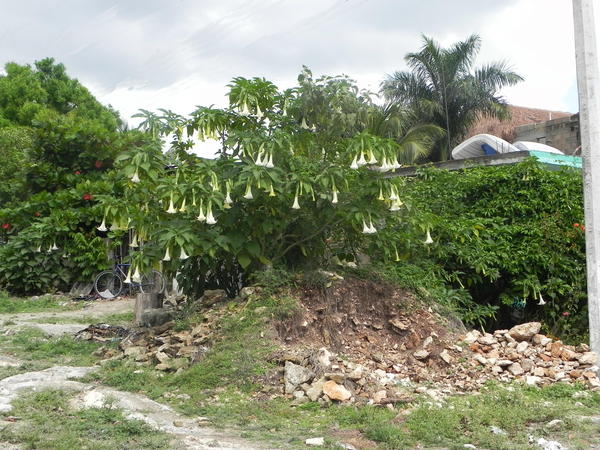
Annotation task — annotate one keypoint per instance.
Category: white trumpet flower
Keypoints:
(335, 197)
(210, 219)
(134, 242)
(361, 161)
(271, 191)
(228, 200)
(393, 194)
(245, 111)
(304, 125)
(248, 195)
(296, 205)
(366, 229)
(381, 197)
(137, 276)
(54, 247)
(183, 254)
(270, 164)
(372, 229)
(428, 239)
(372, 159)
(135, 178)
(171, 209)
(201, 217)
(102, 226)
(182, 209)
(354, 165)
(541, 302)
(259, 161)
(127, 279)
(259, 113)
(397, 255)
(167, 256)
(395, 205)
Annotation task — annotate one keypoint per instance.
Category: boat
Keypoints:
(536, 146)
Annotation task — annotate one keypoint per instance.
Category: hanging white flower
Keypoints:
(259, 113)
(245, 111)
(137, 276)
(393, 193)
(228, 200)
(183, 254)
(39, 249)
(335, 197)
(270, 164)
(304, 125)
(167, 256)
(54, 247)
(541, 302)
(396, 164)
(259, 161)
(397, 256)
(182, 209)
(210, 219)
(381, 197)
(271, 191)
(171, 209)
(361, 161)
(428, 239)
(201, 217)
(366, 229)
(372, 229)
(135, 178)
(296, 205)
(372, 159)
(354, 164)
(395, 205)
(134, 242)
(127, 279)
(102, 226)
(248, 195)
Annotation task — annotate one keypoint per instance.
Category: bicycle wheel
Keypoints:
(153, 283)
(108, 284)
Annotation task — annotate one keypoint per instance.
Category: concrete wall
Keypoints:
(562, 133)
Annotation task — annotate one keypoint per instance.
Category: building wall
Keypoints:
(562, 133)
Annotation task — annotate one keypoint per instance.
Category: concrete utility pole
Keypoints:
(588, 85)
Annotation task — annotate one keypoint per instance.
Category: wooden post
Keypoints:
(143, 302)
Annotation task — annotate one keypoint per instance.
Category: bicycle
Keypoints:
(110, 283)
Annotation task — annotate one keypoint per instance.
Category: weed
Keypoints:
(11, 305)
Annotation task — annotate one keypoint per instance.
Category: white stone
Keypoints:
(317, 442)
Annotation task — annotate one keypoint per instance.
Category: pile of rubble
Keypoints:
(520, 354)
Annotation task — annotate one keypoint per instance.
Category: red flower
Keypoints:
(575, 225)
(77, 172)
(98, 164)
(37, 214)
(87, 196)
(5, 226)
(582, 227)
(566, 313)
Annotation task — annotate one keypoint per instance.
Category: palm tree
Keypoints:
(443, 88)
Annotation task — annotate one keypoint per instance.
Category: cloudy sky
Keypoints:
(180, 53)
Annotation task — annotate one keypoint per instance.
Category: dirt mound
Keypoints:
(375, 324)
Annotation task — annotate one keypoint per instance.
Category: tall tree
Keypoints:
(443, 87)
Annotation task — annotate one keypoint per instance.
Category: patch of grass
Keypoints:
(12, 305)
(31, 344)
(48, 422)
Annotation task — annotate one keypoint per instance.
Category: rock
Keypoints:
(553, 424)
(155, 317)
(337, 377)
(504, 362)
(378, 396)
(295, 375)
(247, 291)
(588, 358)
(357, 373)
(212, 296)
(496, 430)
(556, 349)
(345, 446)
(316, 390)
(298, 394)
(481, 359)
(421, 354)
(532, 380)
(336, 392)
(568, 355)
(445, 356)
(427, 342)
(472, 336)
(469, 446)
(550, 445)
(539, 372)
(525, 331)
(324, 357)
(136, 352)
(540, 339)
(399, 326)
(487, 339)
(515, 369)
(315, 441)
(527, 365)
(522, 346)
